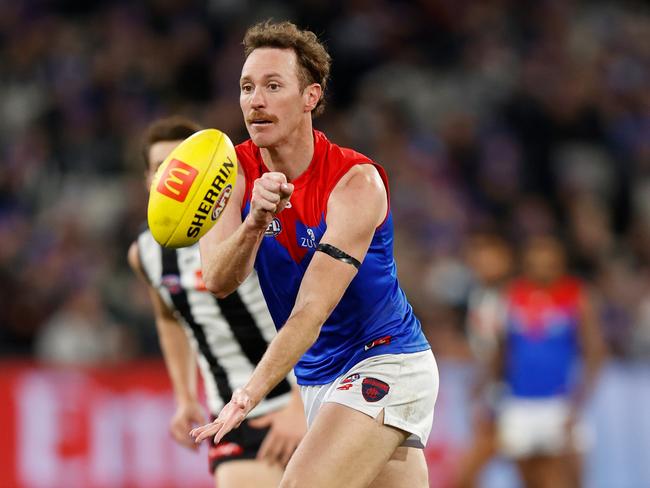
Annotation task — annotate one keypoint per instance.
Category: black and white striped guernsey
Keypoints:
(228, 334)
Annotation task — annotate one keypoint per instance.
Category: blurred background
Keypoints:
(515, 116)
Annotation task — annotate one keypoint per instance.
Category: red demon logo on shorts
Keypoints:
(373, 389)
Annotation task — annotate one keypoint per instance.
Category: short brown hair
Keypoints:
(313, 58)
(174, 128)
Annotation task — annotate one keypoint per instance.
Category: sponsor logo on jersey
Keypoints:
(352, 378)
(176, 180)
(309, 241)
(225, 449)
(373, 389)
(377, 342)
(172, 282)
(199, 284)
(346, 383)
(274, 228)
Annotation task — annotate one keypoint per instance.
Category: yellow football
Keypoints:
(191, 188)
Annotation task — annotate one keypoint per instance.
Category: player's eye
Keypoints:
(247, 88)
(274, 86)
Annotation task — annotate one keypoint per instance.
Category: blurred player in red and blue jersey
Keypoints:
(550, 356)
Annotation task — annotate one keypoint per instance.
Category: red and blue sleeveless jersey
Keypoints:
(542, 337)
(373, 316)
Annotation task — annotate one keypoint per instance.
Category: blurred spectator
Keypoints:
(81, 334)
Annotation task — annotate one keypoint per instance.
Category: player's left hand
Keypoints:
(187, 414)
(229, 418)
(287, 428)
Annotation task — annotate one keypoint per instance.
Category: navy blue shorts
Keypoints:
(241, 443)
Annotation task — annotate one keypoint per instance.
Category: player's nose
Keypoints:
(257, 100)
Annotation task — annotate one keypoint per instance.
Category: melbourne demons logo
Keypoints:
(373, 389)
(176, 180)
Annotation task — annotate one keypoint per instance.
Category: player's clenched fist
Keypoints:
(270, 195)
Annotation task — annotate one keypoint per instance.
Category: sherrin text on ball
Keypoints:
(191, 188)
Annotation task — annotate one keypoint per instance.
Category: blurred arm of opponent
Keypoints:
(350, 227)
(592, 350)
(179, 359)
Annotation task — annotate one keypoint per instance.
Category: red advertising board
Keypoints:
(107, 427)
(91, 428)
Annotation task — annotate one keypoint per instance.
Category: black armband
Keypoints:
(336, 253)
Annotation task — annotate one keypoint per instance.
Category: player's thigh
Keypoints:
(555, 472)
(248, 473)
(342, 448)
(406, 468)
(529, 472)
(482, 448)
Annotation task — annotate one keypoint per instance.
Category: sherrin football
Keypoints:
(191, 188)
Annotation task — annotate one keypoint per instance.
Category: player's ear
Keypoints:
(312, 94)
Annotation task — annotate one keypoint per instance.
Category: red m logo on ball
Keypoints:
(176, 180)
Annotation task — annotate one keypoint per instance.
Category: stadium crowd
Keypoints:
(517, 117)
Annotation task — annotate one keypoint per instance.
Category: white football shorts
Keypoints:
(405, 386)
(531, 427)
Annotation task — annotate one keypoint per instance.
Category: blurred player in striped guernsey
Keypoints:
(491, 259)
(227, 337)
(314, 220)
(550, 355)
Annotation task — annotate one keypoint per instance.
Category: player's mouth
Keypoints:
(260, 119)
(260, 122)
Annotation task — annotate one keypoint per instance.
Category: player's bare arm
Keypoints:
(232, 243)
(350, 228)
(592, 349)
(179, 360)
(228, 253)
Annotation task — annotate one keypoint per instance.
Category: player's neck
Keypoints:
(293, 156)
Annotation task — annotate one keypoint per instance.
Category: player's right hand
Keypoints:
(230, 417)
(187, 416)
(270, 195)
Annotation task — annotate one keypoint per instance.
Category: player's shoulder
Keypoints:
(247, 153)
(570, 288)
(518, 288)
(361, 177)
(345, 165)
(246, 149)
(248, 157)
(136, 250)
(143, 250)
(133, 257)
(145, 238)
(340, 153)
